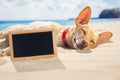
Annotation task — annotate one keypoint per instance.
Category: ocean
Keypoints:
(5, 24)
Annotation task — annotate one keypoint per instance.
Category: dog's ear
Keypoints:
(104, 37)
(84, 16)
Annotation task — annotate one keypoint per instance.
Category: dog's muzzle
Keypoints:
(80, 45)
(83, 45)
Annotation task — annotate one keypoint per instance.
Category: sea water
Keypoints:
(5, 24)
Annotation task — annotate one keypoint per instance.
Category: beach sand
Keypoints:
(100, 63)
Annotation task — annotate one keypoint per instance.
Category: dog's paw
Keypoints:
(2, 53)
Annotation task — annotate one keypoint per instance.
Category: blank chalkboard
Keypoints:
(32, 44)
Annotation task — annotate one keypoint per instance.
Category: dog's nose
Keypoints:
(84, 43)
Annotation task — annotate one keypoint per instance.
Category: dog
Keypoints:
(79, 37)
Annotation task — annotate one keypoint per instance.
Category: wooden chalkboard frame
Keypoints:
(27, 32)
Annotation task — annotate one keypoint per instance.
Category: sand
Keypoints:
(100, 63)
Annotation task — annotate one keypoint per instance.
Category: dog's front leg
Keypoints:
(4, 47)
(4, 43)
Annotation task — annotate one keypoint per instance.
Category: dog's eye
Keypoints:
(92, 41)
(75, 40)
(84, 32)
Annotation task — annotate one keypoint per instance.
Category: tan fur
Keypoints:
(74, 37)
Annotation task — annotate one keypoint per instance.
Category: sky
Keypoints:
(51, 9)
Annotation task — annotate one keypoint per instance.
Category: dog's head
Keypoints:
(84, 36)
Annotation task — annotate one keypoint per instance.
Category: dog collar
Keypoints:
(64, 36)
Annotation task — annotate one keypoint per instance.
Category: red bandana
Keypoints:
(64, 35)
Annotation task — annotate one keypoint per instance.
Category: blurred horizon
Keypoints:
(51, 9)
(93, 18)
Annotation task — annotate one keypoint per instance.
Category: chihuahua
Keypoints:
(79, 37)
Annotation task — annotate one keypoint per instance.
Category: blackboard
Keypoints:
(31, 44)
